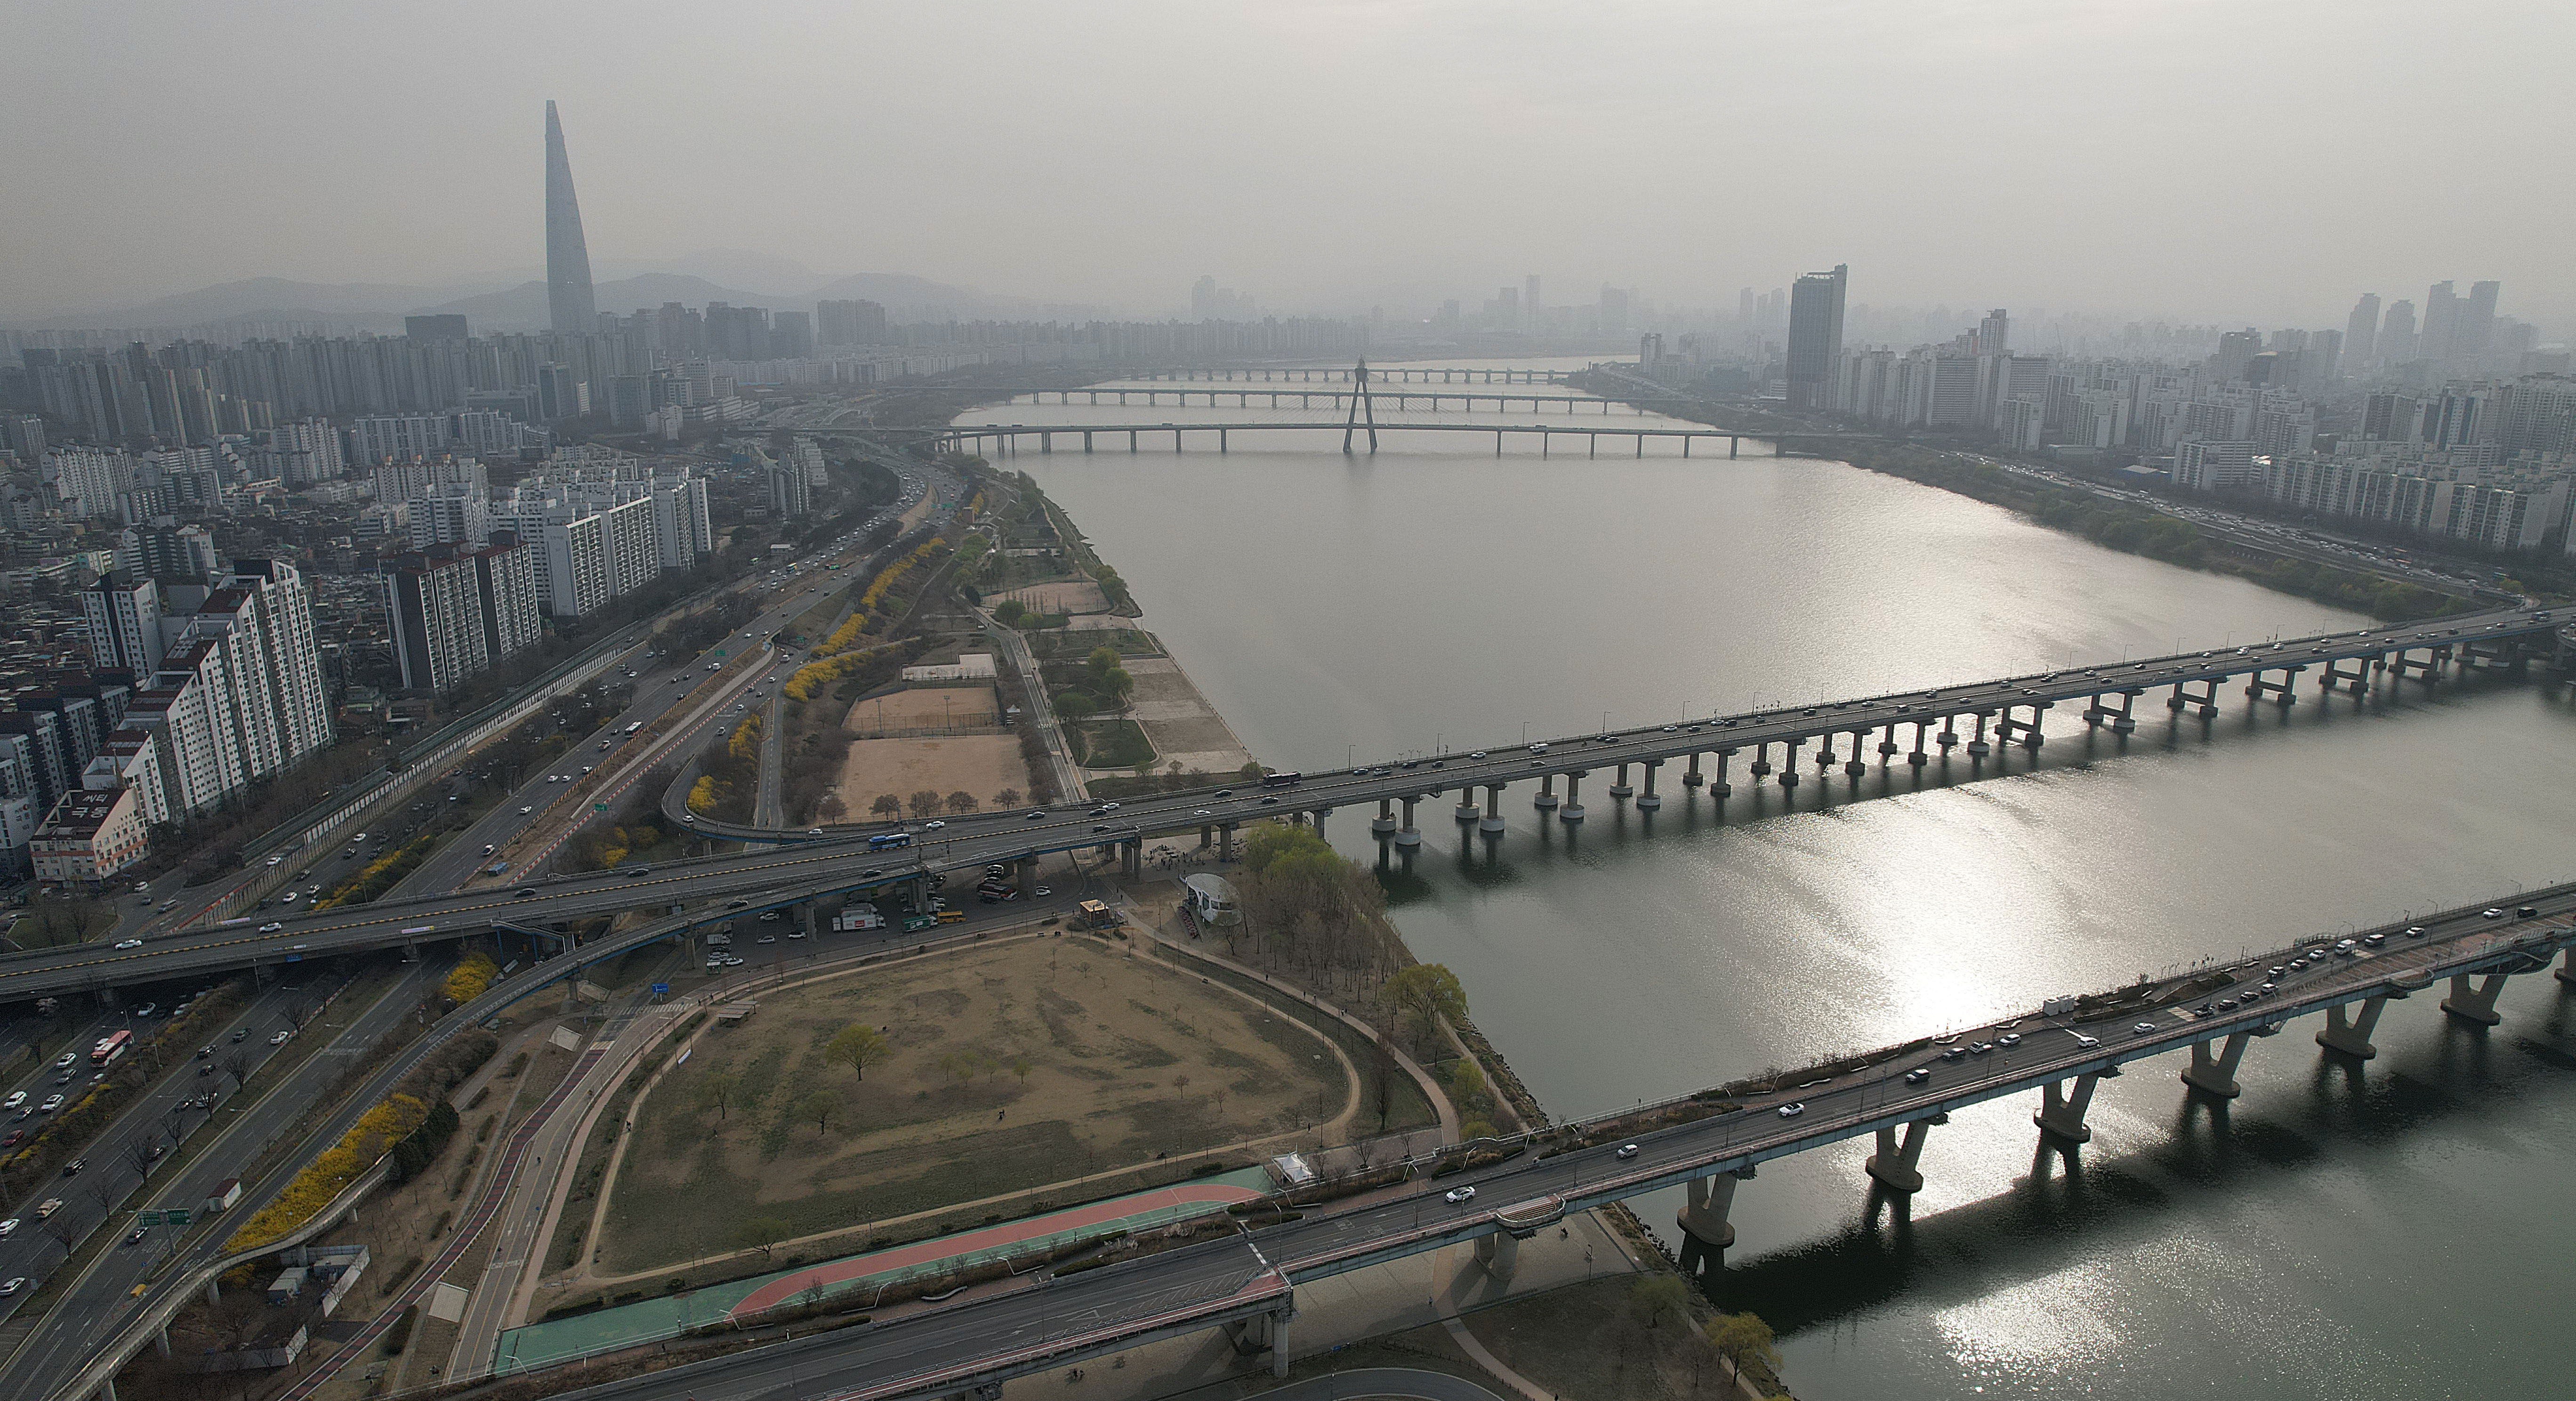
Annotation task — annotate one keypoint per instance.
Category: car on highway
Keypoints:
(13, 1285)
(1034, 815)
(73, 1168)
(280, 1038)
(48, 1207)
(271, 927)
(8, 1228)
(16, 1098)
(1918, 1075)
(2491, 914)
(1456, 1196)
(1791, 1111)
(205, 1051)
(64, 1061)
(129, 943)
(525, 811)
(2414, 931)
(240, 1032)
(135, 1236)
(2009, 1038)
(1625, 1150)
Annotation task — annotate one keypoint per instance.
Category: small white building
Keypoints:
(973, 666)
(1210, 898)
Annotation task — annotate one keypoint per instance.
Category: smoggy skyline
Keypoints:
(2200, 161)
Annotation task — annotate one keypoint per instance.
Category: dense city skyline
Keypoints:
(2113, 118)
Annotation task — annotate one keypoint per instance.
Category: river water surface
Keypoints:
(2393, 1231)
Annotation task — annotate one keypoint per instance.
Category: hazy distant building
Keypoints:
(573, 305)
(444, 327)
(850, 323)
(1816, 336)
(2397, 334)
(2441, 322)
(2361, 332)
(2477, 318)
(1994, 334)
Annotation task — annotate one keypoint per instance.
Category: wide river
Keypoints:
(2394, 1231)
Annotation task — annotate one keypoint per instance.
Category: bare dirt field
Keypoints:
(925, 707)
(1178, 720)
(1068, 596)
(1009, 1067)
(983, 765)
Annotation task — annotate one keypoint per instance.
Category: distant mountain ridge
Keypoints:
(496, 306)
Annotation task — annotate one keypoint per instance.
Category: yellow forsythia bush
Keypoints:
(471, 978)
(374, 1135)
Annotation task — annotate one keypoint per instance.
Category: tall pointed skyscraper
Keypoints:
(568, 292)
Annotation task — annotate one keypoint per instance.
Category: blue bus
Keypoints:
(1281, 780)
(889, 839)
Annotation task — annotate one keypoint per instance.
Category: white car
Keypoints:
(129, 943)
(1791, 1111)
(271, 927)
(280, 1038)
(525, 811)
(1456, 1195)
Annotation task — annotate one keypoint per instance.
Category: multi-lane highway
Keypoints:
(843, 860)
(1050, 1323)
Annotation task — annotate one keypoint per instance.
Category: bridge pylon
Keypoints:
(1360, 400)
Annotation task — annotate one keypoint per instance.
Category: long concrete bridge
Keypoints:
(1708, 1143)
(1343, 374)
(1432, 400)
(1007, 437)
(1776, 746)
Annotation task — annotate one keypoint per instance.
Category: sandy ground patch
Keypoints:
(1178, 720)
(1009, 1068)
(1066, 596)
(983, 765)
(1100, 622)
(925, 707)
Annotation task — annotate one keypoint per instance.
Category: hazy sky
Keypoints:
(2230, 160)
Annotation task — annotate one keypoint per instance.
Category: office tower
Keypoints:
(1816, 336)
(858, 322)
(1994, 334)
(2361, 332)
(2477, 319)
(2397, 334)
(2441, 322)
(448, 327)
(569, 298)
(124, 615)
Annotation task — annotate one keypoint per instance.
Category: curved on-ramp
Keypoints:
(1369, 1382)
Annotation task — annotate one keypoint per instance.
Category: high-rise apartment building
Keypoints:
(2477, 318)
(570, 299)
(124, 615)
(2397, 334)
(853, 322)
(2441, 322)
(2361, 332)
(1994, 334)
(1816, 336)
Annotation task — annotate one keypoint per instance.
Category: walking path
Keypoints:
(744, 1300)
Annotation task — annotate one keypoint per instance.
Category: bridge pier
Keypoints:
(1718, 787)
(1493, 818)
(2061, 1110)
(1648, 801)
(1894, 1164)
(1917, 757)
(1131, 858)
(1619, 785)
(1385, 822)
(2567, 968)
(1888, 748)
(1690, 776)
(1207, 835)
(1499, 1253)
(1466, 811)
(2216, 1075)
(2119, 719)
(1320, 815)
(2356, 680)
(1028, 877)
(2007, 727)
(1789, 764)
(1703, 1217)
(2206, 702)
(2279, 690)
(1857, 765)
(2352, 1037)
(1546, 796)
(2430, 668)
(1225, 841)
(2473, 999)
(1573, 809)
(1408, 834)
(1761, 766)
(1977, 747)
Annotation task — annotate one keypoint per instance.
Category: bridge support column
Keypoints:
(1703, 1217)
(2061, 1110)
(1131, 858)
(1917, 757)
(1499, 1253)
(2356, 681)
(1408, 834)
(2352, 1037)
(1028, 877)
(1690, 776)
(1718, 787)
(2007, 727)
(1648, 801)
(2216, 1075)
(1546, 797)
(2206, 702)
(1789, 764)
(1320, 815)
(2101, 712)
(1856, 765)
(1761, 766)
(2430, 668)
(1888, 747)
(161, 1341)
(2567, 968)
(1619, 785)
(1225, 841)
(1207, 836)
(1573, 809)
(2280, 690)
(1492, 821)
(1894, 1164)
(2473, 999)
(107, 1390)
(1977, 747)
(1385, 821)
